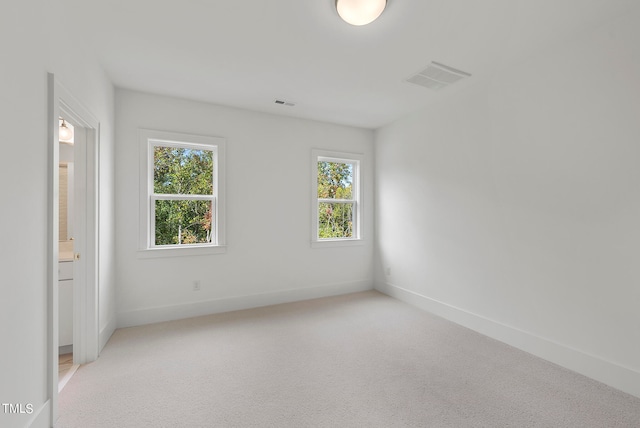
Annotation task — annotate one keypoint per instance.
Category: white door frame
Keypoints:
(85, 297)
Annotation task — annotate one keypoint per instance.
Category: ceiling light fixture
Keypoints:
(64, 132)
(360, 12)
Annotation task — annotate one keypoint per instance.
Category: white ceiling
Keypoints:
(247, 53)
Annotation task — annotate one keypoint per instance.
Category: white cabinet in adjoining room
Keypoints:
(65, 303)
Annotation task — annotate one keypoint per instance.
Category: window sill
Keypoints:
(328, 243)
(152, 253)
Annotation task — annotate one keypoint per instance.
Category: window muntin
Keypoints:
(182, 204)
(336, 215)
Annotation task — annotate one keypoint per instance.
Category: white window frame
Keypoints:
(150, 139)
(318, 155)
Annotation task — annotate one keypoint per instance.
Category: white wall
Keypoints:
(269, 258)
(514, 207)
(30, 42)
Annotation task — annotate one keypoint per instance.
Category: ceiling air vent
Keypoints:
(437, 76)
(285, 103)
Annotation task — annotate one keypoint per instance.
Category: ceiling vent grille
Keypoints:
(437, 76)
(285, 103)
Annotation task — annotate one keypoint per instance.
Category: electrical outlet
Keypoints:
(196, 285)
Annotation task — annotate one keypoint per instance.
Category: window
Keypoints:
(336, 198)
(182, 200)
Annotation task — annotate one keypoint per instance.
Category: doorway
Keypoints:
(72, 240)
(68, 211)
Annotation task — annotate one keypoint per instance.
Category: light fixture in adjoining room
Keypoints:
(360, 12)
(65, 133)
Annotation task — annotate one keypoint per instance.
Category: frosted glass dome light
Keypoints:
(64, 132)
(360, 12)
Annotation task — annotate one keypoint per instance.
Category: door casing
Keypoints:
(86, 290)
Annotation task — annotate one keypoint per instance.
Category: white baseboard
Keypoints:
(40, 418)
(623, 378)
(106, 332)
(66, 349)
(194, 309)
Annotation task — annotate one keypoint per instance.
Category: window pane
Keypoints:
(335, 180)
(183, 171)
(335, 220)
(183, 222)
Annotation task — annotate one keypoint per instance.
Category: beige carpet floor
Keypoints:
(359, 360)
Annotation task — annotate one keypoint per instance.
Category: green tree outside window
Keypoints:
(335, 196)
(183, 171)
